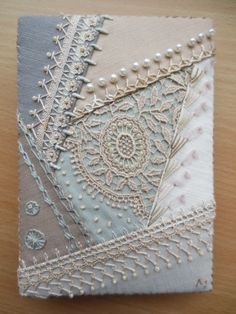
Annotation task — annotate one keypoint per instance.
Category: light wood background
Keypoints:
(223, 297)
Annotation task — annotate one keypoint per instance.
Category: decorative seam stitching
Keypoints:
(203, 211)
(178, 142)
(46, 197)
(47, 169)
(98, 261)
(62, 68)
(56, 77)
(143, 82)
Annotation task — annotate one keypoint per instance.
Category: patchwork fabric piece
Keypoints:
(115, 155)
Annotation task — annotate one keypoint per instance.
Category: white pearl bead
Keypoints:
(178, 48)
(32, 112)
(146, 63)
(90, 88)
(200, 37)
(123, 72)
(211, 33)
(135, 67)
(169, 53)
(157, 57)
(59, 27)
(114, 79)
(102, 82)
(192, 42)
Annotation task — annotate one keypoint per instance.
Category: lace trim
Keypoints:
(178, 142)
(76, 44)
(121, 151)
(55, 72)
(113, 259)
(204, 50)
(134, 201)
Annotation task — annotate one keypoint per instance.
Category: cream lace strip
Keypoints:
(99, 262)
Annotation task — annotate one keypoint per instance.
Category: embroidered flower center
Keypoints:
(35, 239)
(124, 146)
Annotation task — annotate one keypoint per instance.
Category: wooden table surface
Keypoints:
(223, 298)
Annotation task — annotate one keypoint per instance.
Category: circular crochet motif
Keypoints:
(32, 208)
(35, 239)
(124, 146)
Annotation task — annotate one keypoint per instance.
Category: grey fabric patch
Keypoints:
(34, 40)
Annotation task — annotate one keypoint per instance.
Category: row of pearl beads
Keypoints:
(123, 73)
(193, 41)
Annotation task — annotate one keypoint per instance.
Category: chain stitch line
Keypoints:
(58, 215)
(48, 172)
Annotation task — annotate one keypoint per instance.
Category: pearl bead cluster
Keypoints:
(123, 73)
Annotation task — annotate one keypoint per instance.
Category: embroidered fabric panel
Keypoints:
(118, 154)
(113, 204)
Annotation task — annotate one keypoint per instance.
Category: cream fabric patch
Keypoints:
(116, 155)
